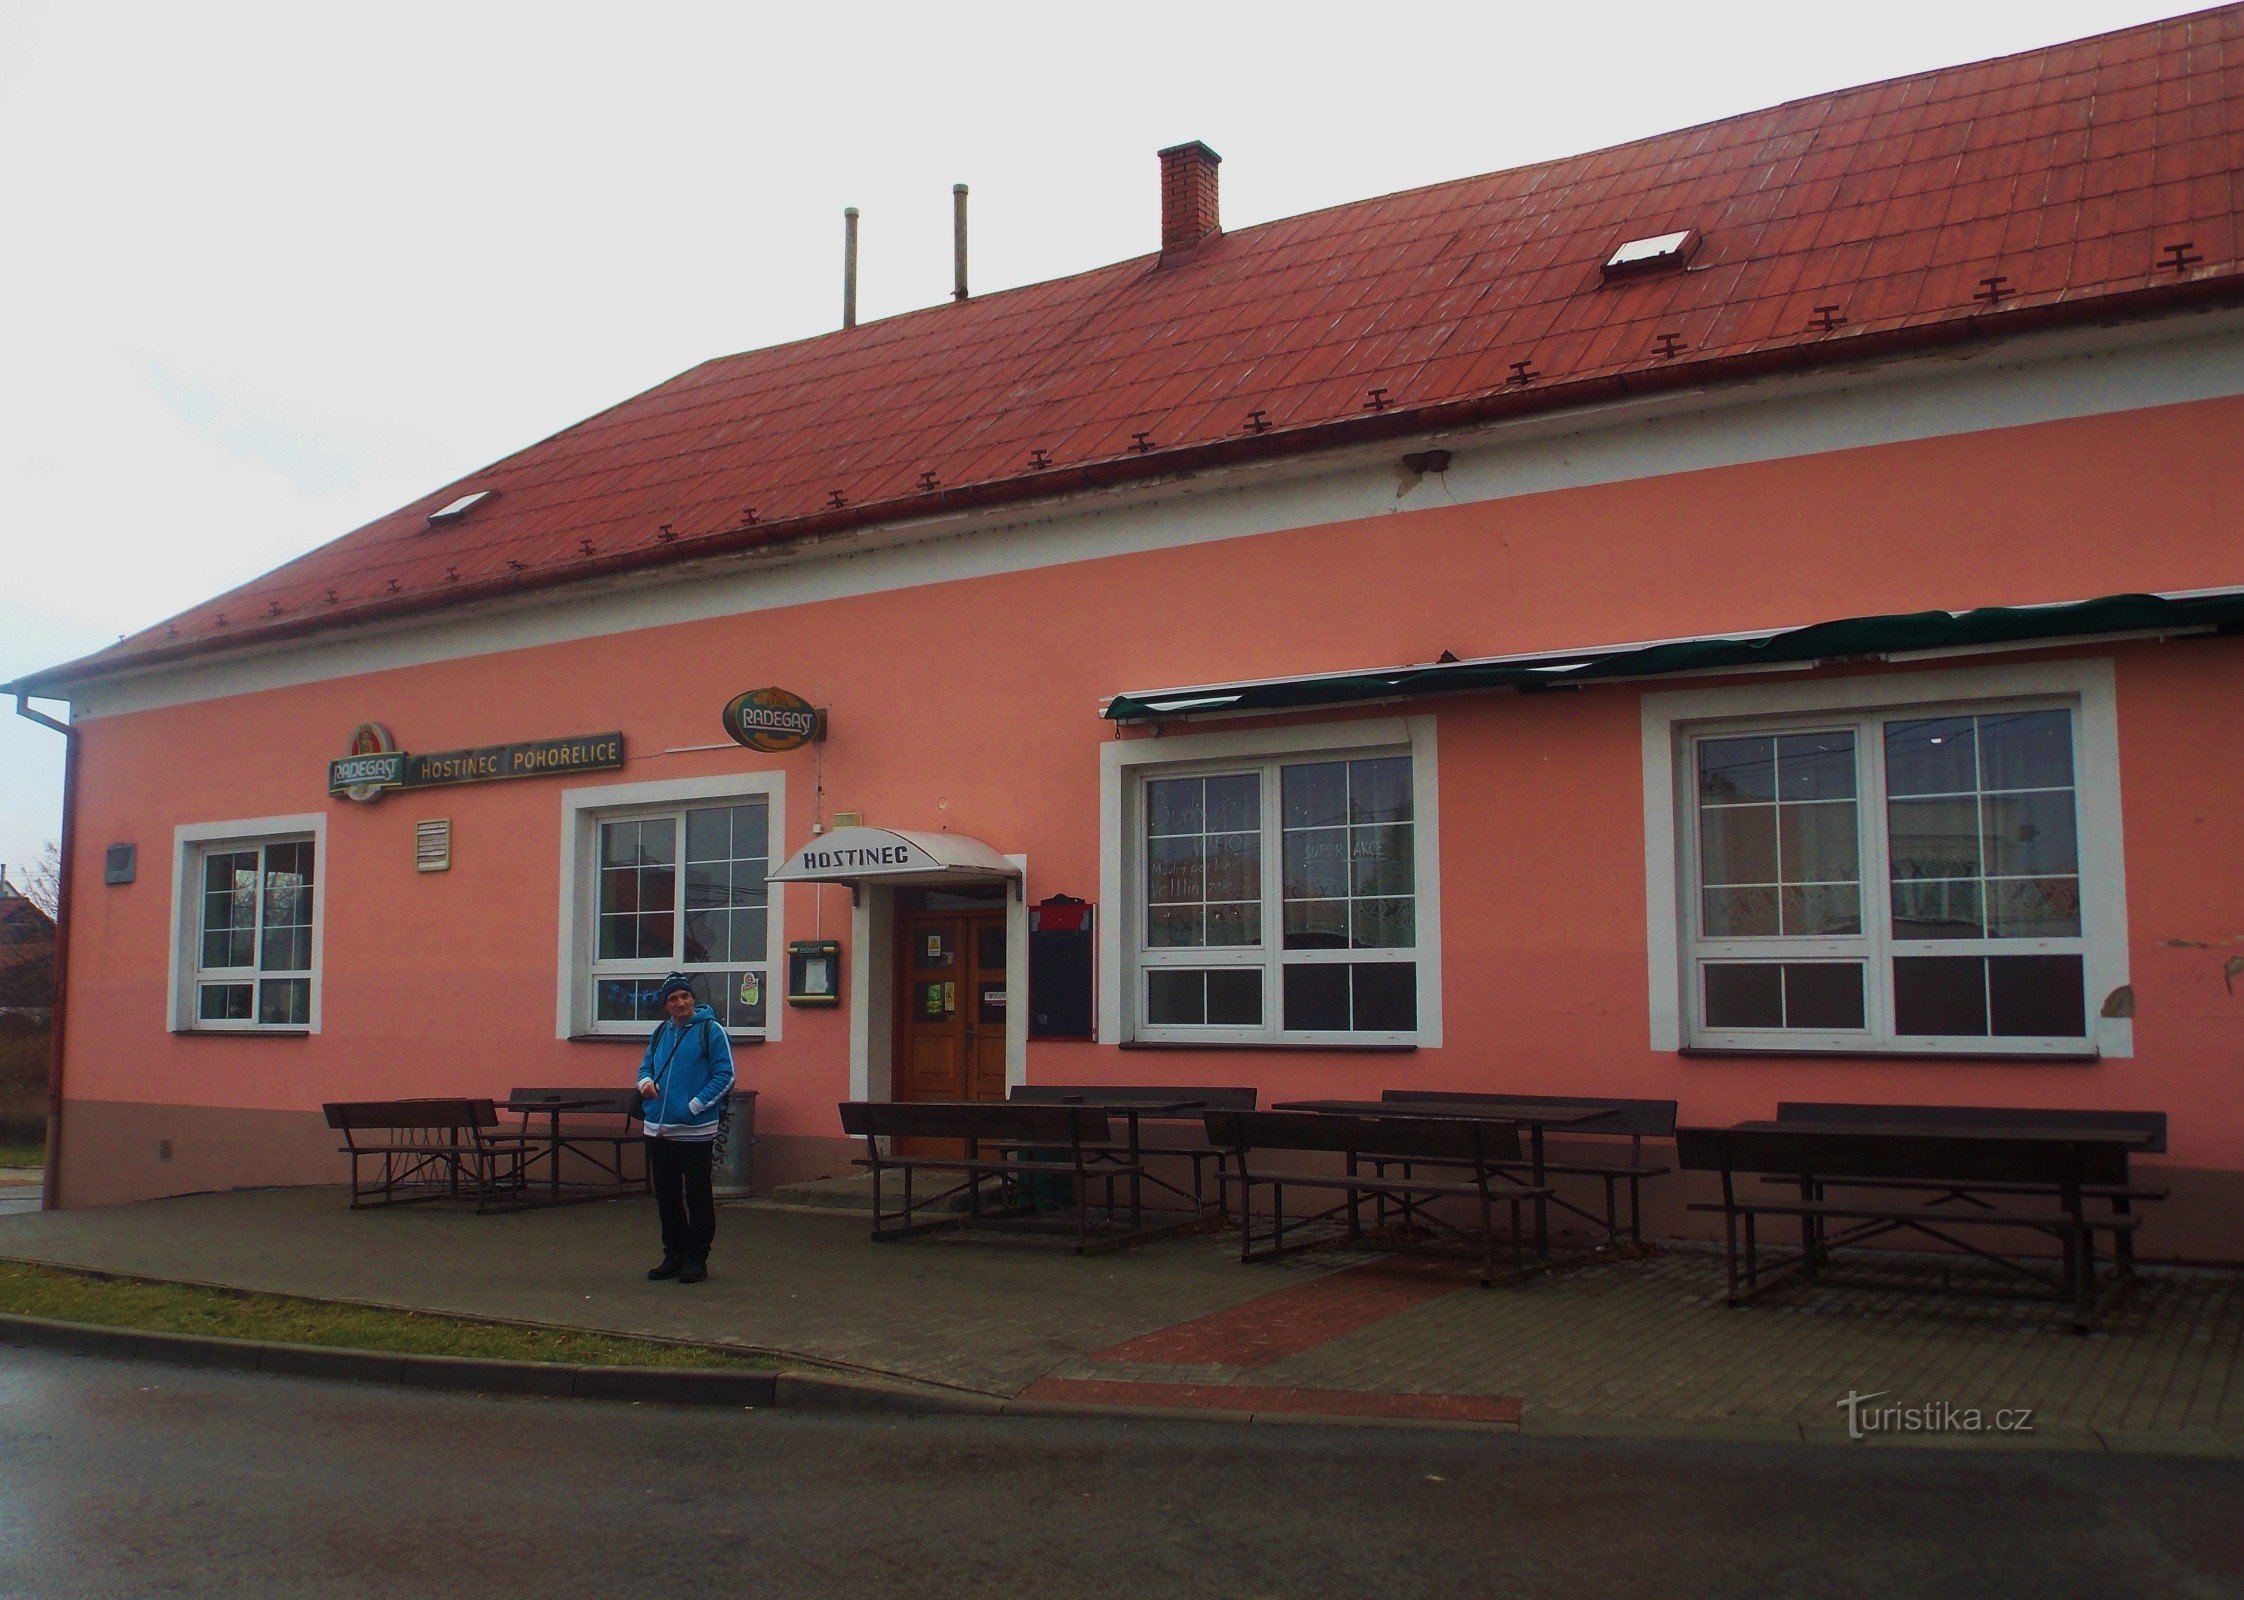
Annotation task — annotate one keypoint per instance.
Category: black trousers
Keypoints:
(679, 1171)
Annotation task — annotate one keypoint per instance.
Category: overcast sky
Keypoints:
(272, 271)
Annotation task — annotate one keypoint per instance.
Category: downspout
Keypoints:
(51, 1183)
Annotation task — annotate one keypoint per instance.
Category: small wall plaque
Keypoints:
(118, 863)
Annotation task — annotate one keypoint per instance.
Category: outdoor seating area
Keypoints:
(404, 1151)
(568, 1144)
(1975, 1180)
(1008, 1160)
(1175, 1109)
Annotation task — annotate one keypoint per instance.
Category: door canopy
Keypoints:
(894, 856)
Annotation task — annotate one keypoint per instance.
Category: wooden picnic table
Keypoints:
(552, 1104)
(1967, 1165)
(1533, 1115)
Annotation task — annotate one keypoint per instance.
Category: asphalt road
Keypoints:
(123, 1479)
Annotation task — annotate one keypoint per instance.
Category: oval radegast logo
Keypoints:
(773, 720)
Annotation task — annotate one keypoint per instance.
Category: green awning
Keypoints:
(1848, 639)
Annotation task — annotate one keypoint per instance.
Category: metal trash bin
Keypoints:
(736, 1152)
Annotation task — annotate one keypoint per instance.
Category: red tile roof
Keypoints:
(2079, 181)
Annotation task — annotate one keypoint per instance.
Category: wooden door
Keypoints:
(951, 1014)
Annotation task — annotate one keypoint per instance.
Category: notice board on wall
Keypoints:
(1060, 993)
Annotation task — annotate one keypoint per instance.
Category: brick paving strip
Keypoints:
(1495, 1409)
(1288, 1321)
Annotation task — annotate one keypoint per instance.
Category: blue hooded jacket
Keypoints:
(692, 1072)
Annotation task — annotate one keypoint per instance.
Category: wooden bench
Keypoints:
(1474, 1155)
(1633, 1120)
(1123, 1099)
(595, 1125)
(1962, 1166)
(440, 1149)
(2120, 1197)
(1008, 1147)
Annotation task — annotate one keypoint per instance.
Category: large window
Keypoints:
(248, 935)
(1278, 899)
(1915, 877)
(683, 890)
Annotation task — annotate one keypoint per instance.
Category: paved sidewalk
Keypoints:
(1640, 1347)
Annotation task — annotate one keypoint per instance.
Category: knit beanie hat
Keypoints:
(676, 981)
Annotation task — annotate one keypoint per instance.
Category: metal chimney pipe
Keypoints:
(849, 266)
(958, 241)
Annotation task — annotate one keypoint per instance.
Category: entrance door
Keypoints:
(951, 1020)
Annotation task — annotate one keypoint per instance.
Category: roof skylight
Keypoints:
(460, 507)
(1663, 250)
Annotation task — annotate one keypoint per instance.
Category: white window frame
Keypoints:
(1672, 720)
(191, 842)
(582, 812)
(1126, 765)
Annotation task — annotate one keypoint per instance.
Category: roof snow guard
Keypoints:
(1849, 639)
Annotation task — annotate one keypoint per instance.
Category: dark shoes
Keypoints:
(693, 1272)
(671, 1267)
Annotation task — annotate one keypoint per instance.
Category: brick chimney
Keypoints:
(1188, 196)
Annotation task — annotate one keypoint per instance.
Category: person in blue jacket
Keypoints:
(683, 1081)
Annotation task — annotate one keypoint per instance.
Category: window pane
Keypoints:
(626, 1000)
(286, 950)
(1737, 769)
(285, 1002)
(1936, 909)
(1234, 923)
(1934, 838)
(1386, 996)
(1317, 998)
(708, 885)
(2036, 997)
(619, 890)
(1170, 927)
(223, 1002)
(658, 841)
(750, 933)
(1316, 863)
(1738, 913)
(1233, 866)
(2033, 908)
(1935, 756)
(1172, 871)
(655, 936)
(1382, 860)
(1744, 994)
(1940, 995)
(749, 886)
(1815, 766)
(619, 844)
(1822, 994)
(709, 834)
(1385, 924)
(1815, 910)
(1316, 795)
(1175, 997)
(2027, 749)
(658, 889)
(619, 938)
(751, 832)
(1379, 790)
(1316, 925)
(708, 937)
(1235, 997)
(1233, 803)
(2029, 835)
(1172, 805)
(1818, 843)
(1737, 844)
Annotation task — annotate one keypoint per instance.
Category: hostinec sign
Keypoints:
(773, 720)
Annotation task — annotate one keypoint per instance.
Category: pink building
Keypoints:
(1745, 615)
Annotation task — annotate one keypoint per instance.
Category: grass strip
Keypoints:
(23, 1155)
(64, 1296)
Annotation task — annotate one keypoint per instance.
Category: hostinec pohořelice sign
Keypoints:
(773, 720)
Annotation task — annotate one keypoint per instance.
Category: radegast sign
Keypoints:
(367, 775)
(773, 720)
